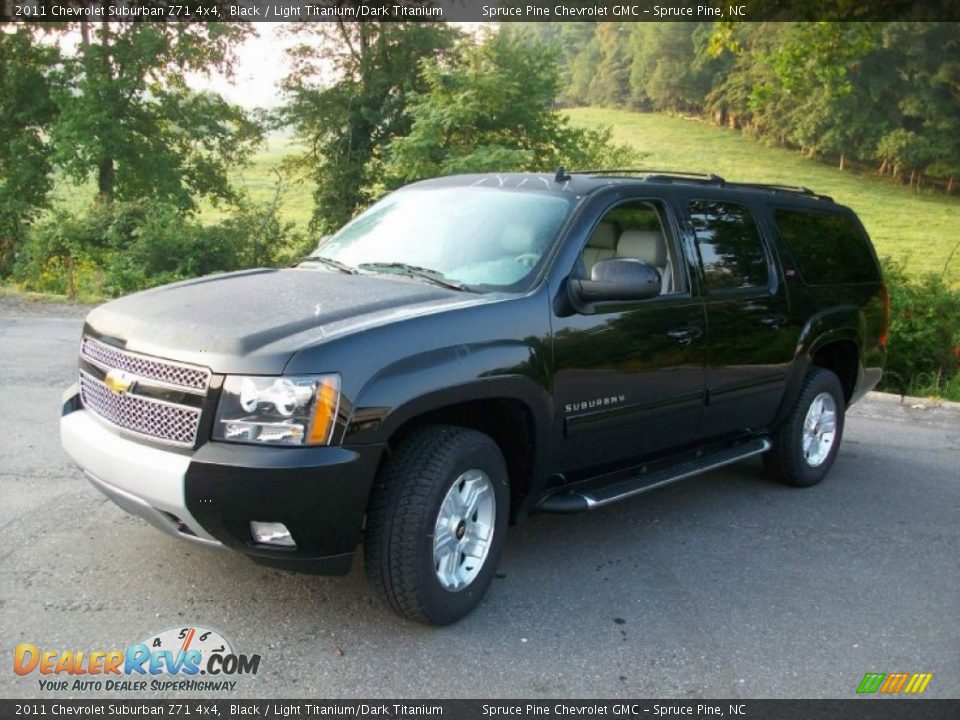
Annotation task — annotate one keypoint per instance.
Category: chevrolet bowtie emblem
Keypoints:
(119, 381)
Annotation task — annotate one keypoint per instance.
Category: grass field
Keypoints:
(920, 229)
(260, 180)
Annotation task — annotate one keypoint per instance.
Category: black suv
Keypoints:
(474, 349)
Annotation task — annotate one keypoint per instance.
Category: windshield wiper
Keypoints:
(330, 262)
(416, 271)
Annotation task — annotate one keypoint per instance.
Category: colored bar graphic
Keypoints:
(870, 683)
(918, 683)
(894, 683)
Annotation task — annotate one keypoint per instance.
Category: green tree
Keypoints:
(346, 125)
(492, 110)
(670, 68)
(610, 84)
(128, 117)
(576, 47)
(903, 149)
(583, 70)
(819, 67)
(26, 113)
(926, 97)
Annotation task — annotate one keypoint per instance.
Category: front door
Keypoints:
(629, 376)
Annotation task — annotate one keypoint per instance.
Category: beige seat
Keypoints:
(650, 247)
(602, 245)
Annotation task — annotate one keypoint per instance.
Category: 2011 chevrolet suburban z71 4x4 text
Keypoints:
(474, 349)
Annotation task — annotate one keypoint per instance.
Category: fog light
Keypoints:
(271, 533)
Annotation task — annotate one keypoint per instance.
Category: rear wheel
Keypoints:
(806, 444)
(436, 523)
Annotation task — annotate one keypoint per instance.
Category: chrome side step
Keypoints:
(571, 501)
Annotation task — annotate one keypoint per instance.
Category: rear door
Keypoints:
(750, 343)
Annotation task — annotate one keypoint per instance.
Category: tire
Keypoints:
(798, 457)
(403, 520)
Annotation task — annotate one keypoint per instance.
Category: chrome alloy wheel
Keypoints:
(463, 532)
(819, 429)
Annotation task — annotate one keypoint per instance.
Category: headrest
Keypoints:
(645, 245)
(518, 239)
(604, 236)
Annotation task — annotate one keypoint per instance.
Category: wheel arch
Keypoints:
(507, 421)
(514, 411)
(834, 348)
(841, 356)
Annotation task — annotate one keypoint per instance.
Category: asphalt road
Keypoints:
(726, 585)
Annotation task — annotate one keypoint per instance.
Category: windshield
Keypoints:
(472, 236)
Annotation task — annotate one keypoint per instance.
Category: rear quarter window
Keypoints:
(829, 248)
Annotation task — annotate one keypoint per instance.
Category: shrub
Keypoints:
(128, 246)
(923, 351)
(262, 238)
(61, 255)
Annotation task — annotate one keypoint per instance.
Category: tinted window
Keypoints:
(730, 246)
(829, 248)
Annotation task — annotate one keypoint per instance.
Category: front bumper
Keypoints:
(210, 496)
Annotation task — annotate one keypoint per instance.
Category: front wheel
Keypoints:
(436, 523)
(806, 444)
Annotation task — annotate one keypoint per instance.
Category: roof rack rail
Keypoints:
(777, 187)
(706, 179)
(709, 177)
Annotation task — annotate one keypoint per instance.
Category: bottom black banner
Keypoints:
(873, 709)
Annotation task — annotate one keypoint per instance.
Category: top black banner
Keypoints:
(478, 10)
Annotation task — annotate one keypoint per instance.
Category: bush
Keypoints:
(923, 350)
(262, 238)
(61, 255)
(127, 246)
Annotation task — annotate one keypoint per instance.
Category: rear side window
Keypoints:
(829, 248)
(730, 246)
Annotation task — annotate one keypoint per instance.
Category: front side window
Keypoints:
(729, 244)
(635, 229)
(475, 236)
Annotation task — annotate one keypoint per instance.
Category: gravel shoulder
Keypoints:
(24, 306)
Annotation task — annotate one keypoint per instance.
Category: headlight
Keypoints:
(278, 410)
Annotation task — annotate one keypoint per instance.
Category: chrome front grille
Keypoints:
(161, 401)
(107, 357)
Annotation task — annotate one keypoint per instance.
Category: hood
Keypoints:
(253, 321)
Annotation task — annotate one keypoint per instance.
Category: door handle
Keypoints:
(685, 335)
(772, 321)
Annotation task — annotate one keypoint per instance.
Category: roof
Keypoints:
(584, 182)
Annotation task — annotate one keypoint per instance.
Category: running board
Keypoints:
(571, 501)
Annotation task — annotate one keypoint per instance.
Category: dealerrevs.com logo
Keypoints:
(172, 660)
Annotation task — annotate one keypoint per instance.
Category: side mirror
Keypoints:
(619, 279)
